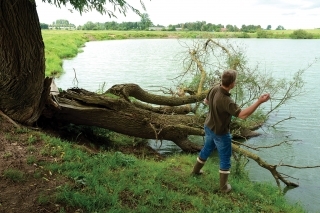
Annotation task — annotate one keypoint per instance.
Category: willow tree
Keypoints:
(23, 87)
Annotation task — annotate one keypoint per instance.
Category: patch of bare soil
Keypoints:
(23, 183)
(25, 186)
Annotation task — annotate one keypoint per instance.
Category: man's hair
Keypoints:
(228, 77)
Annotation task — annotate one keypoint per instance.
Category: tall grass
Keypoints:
(59, 46)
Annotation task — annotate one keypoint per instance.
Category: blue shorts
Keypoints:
(222, 143)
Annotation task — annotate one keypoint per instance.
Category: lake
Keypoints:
(152, 63)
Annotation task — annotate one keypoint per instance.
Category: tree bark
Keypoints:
(81, 107)
(22, 62)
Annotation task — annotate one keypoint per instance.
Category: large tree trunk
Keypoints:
(121, 115)
(22, 61)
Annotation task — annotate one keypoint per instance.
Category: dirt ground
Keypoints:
(24, 183)
(20, 184)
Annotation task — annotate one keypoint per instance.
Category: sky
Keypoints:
(291, 14)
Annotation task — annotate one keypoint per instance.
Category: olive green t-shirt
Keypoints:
(221, 109)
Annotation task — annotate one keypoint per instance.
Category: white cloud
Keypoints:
(290, 14)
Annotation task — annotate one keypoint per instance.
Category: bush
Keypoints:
(301, 34)
(264, 34)
(244, 35)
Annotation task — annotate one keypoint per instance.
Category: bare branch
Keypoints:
(300, 167)
(275, 145)
(282, 121)
(272, 168)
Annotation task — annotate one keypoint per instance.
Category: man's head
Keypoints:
(228, 78)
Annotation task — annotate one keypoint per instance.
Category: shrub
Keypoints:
(264, 34)
(301, 34)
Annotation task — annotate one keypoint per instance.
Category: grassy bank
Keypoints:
(77, 178)
(61, 44)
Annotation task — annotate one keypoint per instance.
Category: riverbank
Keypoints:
(43, 173)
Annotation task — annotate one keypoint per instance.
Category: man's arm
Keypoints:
(249, 110)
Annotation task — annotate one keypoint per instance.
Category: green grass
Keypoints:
(14, 175)
(116, 182)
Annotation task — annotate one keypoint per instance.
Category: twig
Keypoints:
(282, 121)
(300, 167)
(288, 176)
(75, 78)
(279, 144)
(156, 134)
(262, 147)
(245, 145)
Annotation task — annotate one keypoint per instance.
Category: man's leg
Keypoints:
(205, 152)
(223, 144)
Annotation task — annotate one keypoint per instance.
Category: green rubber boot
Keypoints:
(225, 187)
(198, 166)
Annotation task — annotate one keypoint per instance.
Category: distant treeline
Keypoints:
(188, 26)
(146, 24)
(59, 24)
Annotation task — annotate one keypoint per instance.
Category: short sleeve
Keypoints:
(233, 109)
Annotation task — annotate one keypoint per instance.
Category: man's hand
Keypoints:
(263, 98)
(249, 110)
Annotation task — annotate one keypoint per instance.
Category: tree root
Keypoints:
(9, 119)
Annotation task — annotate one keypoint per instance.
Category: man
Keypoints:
(217, 125)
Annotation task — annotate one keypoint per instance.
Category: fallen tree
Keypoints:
(118, 114)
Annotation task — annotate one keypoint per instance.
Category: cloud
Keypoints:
(312, 6)
(287, 5)
(289, 14)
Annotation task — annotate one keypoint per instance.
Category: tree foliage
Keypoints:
(44, 26)
(280, 27)
(250, 28)
(145, 22)
(62, 24)
(113, 6)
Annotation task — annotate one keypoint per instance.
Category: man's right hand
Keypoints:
(263, 98)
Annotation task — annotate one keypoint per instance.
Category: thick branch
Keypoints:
(134, 90)
(272, 168)
(194, 58)
(164, 109)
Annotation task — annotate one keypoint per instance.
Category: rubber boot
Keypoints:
(225, 187)
(198, 166)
